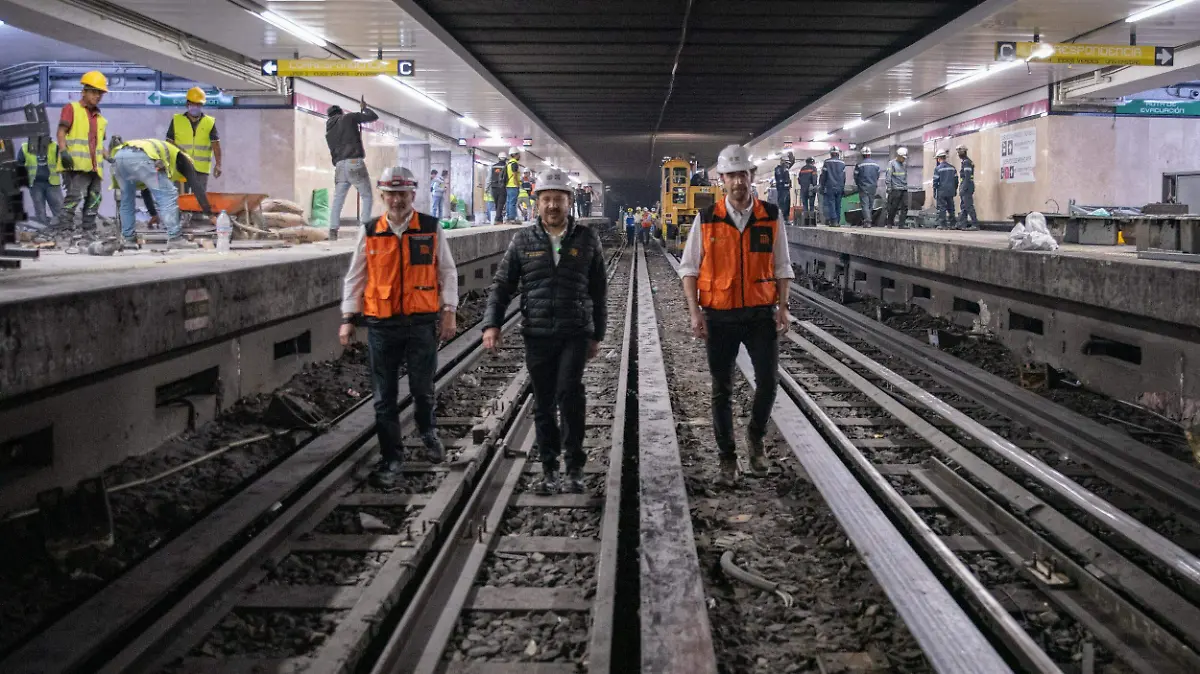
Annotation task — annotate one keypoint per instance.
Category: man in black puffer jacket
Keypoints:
(559, 267)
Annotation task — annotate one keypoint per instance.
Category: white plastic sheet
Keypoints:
(1032, 234)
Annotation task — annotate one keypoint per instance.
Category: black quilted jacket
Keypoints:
(564, 300)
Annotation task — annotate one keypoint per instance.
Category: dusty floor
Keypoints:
(779, 528)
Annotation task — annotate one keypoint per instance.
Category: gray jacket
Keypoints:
(945, 180)
(897, 176)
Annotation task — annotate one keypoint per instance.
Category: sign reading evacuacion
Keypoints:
(1160, 108)
(338, 67)
(1086, 54)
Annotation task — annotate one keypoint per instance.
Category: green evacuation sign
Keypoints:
(1160, 108)
(178, 99)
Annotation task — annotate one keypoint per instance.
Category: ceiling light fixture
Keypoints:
(1044, 51)
(902, 105)
(1156, 10)
(292, 28)
(410, 90)
(854, 124)
(983, 74)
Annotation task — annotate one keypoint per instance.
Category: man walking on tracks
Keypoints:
(401, 277)
(559, 266)
(736, 269)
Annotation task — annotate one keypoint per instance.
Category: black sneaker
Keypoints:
(574, 481)
(333, 235)
(729, 472)
(434, 451)
(758, 457)
(549, 484)
(386, 474)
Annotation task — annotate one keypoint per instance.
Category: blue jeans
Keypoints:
(134, 168)
(44, 194)
(349, 172)
(390, 342)
(491, 210)
(808, 199)
(630, 234)
(833, 206)
(511, 206)
(438, 201)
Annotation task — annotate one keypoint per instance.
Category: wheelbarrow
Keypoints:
(244, 209)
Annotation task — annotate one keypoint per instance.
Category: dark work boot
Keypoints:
(549, 483)
(758, 457)
(333, 235)
(729, 472)
(386, 474)
(574, 481)
(434, 451)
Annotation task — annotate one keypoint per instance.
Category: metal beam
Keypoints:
(1134, 79)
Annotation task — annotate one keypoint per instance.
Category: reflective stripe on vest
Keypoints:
(402, 272)
(78, 146)
(737, 269)
(198, 144)
(52, 161)
(161, 151)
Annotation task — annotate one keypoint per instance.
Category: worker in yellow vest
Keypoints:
(81, 131)
(44, 170)
(196, 134)
(155, 165)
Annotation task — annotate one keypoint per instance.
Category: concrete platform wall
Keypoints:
(1076, 301)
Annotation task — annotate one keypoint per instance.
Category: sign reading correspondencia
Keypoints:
(337, 67)
(1086, 54)
(1018, 155)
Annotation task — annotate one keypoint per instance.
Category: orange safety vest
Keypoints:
(402, 271)
(737, 269)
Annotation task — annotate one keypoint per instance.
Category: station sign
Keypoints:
(1160, 108)
(338, 67)
(1072, 53)
(178, 99)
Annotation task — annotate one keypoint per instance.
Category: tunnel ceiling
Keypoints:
(597, 73)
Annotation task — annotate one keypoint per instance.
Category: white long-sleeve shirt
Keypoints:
(356, 277)
(693, 250)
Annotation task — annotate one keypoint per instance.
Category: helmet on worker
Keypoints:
(835, 152)
(902, 152)
(397, 179)
(733, 159)
(866, 152)
(961, 150)
(94, 79)
(941, 154)
(552, 179)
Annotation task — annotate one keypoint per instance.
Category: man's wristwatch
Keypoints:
(348, 320)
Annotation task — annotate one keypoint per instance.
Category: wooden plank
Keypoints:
(588, 469)
(511, 668)
(846, 422)
(333, 597)
(966, 543)
(243, 665)
(1017, 599)
(888, 443)
(349, 543)
(528, 500)
(921, 502)
(549, 545)
(896, 468)
(362, 499)
(457, 421)
(842, 404)
(527, 599)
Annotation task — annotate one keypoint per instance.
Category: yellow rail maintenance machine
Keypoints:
(682, 200)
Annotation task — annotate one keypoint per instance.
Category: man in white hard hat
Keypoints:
(945, 187)
(866, 179)
(966, 190)
(559, 266)
(497, 178)
(833, 187)
(736, 269)
(403, 280)
(897, 189)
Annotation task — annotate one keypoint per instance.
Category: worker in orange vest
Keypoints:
(403, 280)
(647, 224)
(736, 269)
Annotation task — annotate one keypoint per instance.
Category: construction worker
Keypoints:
(897, 189)
(154, 165)
(630, 227)
(343, 135)
(833, 187)
(403, 280)
(735, 269)
(945, 186)
(783, 186)
(523, 191)
(81, 134)
(559, 266)
(489, 205)
(496, 185)
(966, 190)
(512, 185)
(44, 170)
(196, 134)
(808, 186)
(866, 179)
(437, 194)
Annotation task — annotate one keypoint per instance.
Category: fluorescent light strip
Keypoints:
(292, 28)
(902, 105)
(983, 74)
(1156, 10)
(410, 90)
(854, 124)
(469, 122)
(822, 136)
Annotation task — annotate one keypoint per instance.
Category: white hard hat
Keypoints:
(553, 179)
(902, 152)
(866, 152)
(835, 152)
(397, 179)
(941, 153)
(734, 158)
(503, 154)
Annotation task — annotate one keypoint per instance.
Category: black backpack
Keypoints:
(497, 178)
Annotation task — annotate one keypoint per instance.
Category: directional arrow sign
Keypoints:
(338, 67)
(1073, 53)
(270, 68)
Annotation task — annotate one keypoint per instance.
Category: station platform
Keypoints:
(115, 335)
(1122, 325)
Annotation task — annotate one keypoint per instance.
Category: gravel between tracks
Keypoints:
(35, 590)
(779, 528)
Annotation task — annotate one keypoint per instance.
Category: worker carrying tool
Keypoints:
(807, 179)
(866, 179)
(403, 279)
(833, 187)
(897, 189)
(196, 134)
(966, 190)
(558, 265)
(945, 186)
(81, 137)
(43, 168)
(736, 268)
(154, 165)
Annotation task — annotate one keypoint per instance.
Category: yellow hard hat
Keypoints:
(196, 95)
(96, 80)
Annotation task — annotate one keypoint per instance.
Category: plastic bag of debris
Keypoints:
(283, 220)
(282, 206)
(303, 234)
(1032, 234)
